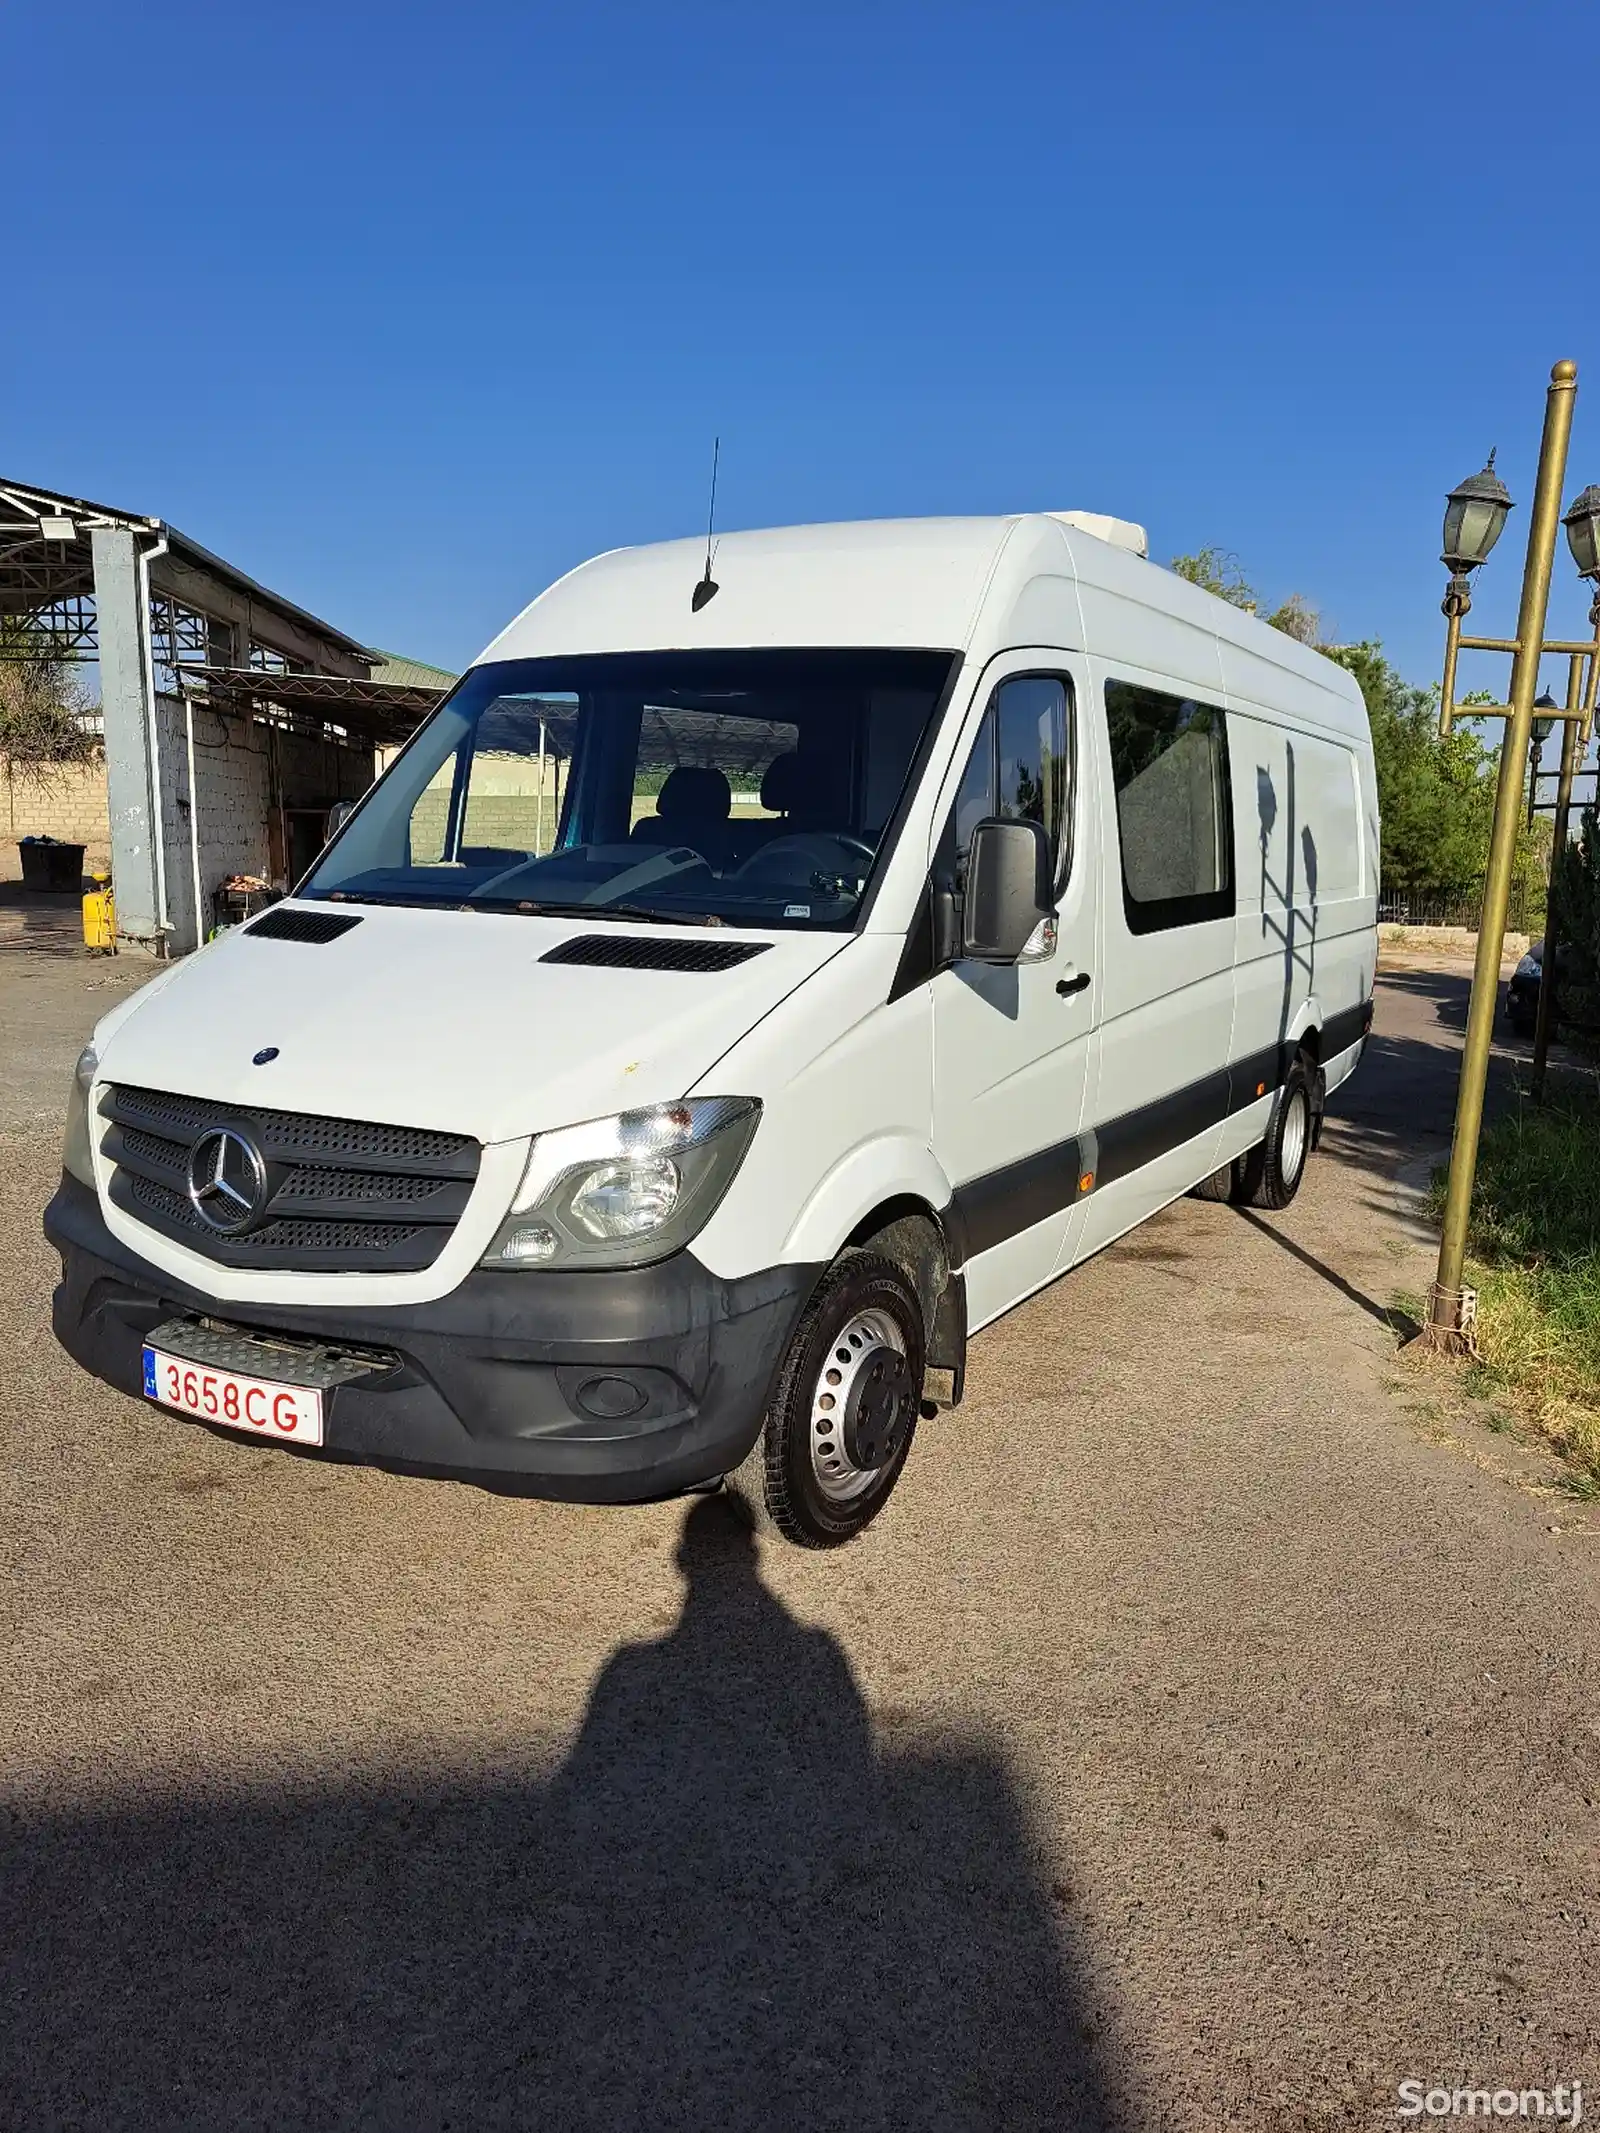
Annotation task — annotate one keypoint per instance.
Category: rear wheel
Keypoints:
(844, 1411)
(1269, 1175)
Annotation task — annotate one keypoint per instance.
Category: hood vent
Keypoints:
(314, 928)
(628, 951)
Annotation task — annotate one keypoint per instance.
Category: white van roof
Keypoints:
(937, 583)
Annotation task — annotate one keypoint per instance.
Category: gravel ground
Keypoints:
(1205, 1736)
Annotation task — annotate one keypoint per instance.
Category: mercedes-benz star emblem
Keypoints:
(227, 1181)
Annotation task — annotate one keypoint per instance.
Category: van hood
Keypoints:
(449, 1020)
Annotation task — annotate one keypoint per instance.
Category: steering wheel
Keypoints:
(817, 849)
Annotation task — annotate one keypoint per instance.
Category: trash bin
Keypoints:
(50, 865)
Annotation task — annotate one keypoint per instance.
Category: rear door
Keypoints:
(1011, 1045)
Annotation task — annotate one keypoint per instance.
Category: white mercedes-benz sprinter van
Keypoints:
(728, 1003)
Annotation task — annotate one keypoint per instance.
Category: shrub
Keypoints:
(44, 713)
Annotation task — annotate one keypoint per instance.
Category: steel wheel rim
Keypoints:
(1296, 1125)
(851, 1352)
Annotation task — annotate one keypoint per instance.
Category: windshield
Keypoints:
(746, 787)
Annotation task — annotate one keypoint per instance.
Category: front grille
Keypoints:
(357, 1185)
(343, 1195)
(629, 951)
(181, 1118)
(275, 1237)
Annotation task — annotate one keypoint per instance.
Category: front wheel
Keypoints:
(844, 1410)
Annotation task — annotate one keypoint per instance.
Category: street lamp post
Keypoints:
(1474, 515)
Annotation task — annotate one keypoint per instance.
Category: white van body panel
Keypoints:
(495, 1044)
(1165, 999)
(917, 582)
(845, 1080)
(450, 1021)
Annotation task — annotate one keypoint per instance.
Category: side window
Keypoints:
(1020, 767)
(1169, 764)
(510, 800)
(430, 818)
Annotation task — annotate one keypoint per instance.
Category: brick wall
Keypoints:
(243, 774)
(70, 804)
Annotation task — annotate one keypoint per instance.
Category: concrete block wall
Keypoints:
(243, 773)
(228, 810)
(502, 806)
(69, 804)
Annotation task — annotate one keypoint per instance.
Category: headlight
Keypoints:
(628, 1190)
(77, 1157)
(1529, 967)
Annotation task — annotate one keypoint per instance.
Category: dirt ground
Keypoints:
(1206, 1735)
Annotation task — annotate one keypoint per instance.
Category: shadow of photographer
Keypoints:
(728, 1907)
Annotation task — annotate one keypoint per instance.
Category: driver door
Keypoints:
(1011, 1045)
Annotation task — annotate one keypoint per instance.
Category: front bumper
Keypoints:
(514, 1380)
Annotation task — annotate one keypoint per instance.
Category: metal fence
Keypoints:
(1461, 907)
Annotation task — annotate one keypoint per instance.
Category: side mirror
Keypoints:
(1008, 889)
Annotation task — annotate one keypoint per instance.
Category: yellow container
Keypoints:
(100, 916)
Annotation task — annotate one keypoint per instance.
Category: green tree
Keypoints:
(1436, 797)
(1216, 570)
(43, 710)
(1297, 618)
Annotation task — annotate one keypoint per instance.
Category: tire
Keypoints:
(1219, 1186)
(860, 1343)
(1269, 1174)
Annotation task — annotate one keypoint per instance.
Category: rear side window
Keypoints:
(1020, 766)
(1169, 764)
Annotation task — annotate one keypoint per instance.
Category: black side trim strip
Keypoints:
(1257, 1076)
(990, 1209)
(987, 1210)
(1138, 1137)
(1347, 1027)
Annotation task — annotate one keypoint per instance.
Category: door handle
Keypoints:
(1066, 986)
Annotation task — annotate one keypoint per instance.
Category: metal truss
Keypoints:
(66, 627)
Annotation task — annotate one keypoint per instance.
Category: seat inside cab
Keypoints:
(695, 808)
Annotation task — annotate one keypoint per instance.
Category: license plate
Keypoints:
(288, 1414)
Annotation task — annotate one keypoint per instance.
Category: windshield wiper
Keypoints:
(533, 907)
(408, 903)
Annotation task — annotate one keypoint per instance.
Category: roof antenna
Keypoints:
(708, 587)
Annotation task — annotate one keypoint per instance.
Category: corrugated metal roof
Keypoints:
(399, 672)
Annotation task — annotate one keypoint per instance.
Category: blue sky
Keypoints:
(405, 309)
